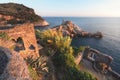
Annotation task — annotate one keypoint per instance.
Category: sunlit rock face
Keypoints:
(68, 28)
(15, 67)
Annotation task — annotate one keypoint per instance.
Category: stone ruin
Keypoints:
(97, 57)
(27, 34)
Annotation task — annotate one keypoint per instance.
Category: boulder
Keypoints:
(12, 66)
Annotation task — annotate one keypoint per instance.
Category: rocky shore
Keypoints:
(41, 24)
(70, 29)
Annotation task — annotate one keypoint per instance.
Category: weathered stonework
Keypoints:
(96, 56)
(27, 33)
(12, 66)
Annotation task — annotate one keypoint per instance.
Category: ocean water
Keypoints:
(109, 44)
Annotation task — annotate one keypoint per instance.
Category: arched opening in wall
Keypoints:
(32, 47)
(19, 40)
(19, 44)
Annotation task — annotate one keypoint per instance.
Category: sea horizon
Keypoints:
(60, 40)
(83, 16)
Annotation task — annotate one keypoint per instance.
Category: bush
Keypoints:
(4, 36)
(46, 35)
(63, 59)
(65, 63)
(38, 33)
(72, 73)
(78, 50)
(33, 73)
(56, 39)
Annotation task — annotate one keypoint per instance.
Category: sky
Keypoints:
(81, 8)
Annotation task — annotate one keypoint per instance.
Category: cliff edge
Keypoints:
(12, 13)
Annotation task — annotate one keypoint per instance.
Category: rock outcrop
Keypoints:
(70, 29)
(12, 66)
(12, 13)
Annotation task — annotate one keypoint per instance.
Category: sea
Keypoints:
(109, 26)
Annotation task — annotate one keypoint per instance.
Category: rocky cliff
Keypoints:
(12, 13)
(12, 66)
(68, 28)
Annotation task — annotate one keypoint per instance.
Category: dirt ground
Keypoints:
(85, 65)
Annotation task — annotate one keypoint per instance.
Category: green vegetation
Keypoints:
(37, 67)
(78, 50)
(4, 36)
(33, 73)
(63, 57)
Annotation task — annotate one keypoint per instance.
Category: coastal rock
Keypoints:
(44, 23)
(70, 29)
(13, 13)
(13, 66)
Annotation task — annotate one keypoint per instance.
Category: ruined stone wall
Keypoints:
(26, 32)
(6, 43)
(98, 56)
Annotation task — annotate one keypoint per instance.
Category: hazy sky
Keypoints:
(85, 8)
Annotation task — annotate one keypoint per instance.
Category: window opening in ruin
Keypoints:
(32, 47)
(19, 44)
(92, 56)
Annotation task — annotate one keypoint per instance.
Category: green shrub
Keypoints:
(77, 51)
(75, 74)
(63, 59)
(33, 73)
(61, 43)
(38, 33)
(65, 63)
(81, 48)
(4, 36)
(50, 52)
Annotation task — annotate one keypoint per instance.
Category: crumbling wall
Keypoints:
(27, 33)
(98, 56)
